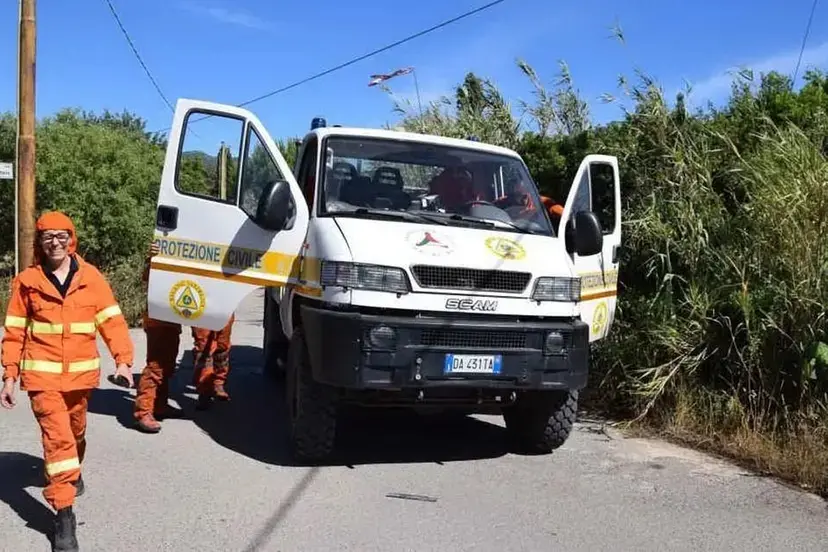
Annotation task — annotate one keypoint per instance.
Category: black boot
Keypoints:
(65, 539)
(204, 401)
(80, 488)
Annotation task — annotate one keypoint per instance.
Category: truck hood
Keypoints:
(404, 244)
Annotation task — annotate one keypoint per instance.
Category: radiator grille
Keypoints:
(471, 279)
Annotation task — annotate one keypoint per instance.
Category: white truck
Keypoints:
(399, 268)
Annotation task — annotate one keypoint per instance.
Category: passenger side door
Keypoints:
(230, 218)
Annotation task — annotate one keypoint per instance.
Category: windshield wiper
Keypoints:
(489, 222)
(400, 215)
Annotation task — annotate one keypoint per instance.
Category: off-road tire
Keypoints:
(312, 406)
(274, 344)
(541, 422)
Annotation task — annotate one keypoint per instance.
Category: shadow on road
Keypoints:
(117, 403)
(254, 423)
(17, 472)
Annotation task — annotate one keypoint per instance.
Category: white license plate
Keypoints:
(473, 364)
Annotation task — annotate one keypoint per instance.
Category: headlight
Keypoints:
(557, 289)
(364, 276)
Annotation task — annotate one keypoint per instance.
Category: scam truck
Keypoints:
(399, 268)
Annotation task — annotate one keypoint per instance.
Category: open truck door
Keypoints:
(230, 218)
(596, 188)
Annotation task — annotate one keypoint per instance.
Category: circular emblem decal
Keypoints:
(505, 248)
(599, 318)
(187, 299)
(429, 242)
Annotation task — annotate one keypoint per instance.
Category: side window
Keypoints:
(259, 170)
(582, 199)
(209, 157)
(602, 180)
(307, 172)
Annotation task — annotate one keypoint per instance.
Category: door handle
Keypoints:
(166, 217)
(615, 253)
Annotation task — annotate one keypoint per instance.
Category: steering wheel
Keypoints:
(479, 202)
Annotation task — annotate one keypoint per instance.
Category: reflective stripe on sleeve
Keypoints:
(16, 322)
(107, 313)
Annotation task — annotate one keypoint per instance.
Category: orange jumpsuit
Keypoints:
(163, 339)
(211, 361)
(50, 345)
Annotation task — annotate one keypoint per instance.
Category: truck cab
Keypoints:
(399, 269)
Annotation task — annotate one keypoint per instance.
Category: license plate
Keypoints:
(473, 364)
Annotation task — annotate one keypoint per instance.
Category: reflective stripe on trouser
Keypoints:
(153, 387)
(62, 420)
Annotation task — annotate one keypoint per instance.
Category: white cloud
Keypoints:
(223, 15)
(717, 87)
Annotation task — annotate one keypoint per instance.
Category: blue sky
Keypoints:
(230, 51)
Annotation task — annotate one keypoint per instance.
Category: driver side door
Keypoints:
(215, 247)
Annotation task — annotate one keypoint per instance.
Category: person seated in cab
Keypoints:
(455, 187)
(518, 203)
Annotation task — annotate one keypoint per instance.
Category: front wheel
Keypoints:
(312, 406)
(274, 344)
(542, 421)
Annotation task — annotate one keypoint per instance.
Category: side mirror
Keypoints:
(583, 234)
(274, 207)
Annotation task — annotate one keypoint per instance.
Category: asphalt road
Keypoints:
(221, 480)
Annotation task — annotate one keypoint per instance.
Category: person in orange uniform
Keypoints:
(554, 209)
(211, 363)
(56, 308)
(163, 340)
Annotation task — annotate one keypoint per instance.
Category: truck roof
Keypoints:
(323, 132)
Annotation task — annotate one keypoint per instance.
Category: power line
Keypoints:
(137, 55)
(362, 57)
(804, 40)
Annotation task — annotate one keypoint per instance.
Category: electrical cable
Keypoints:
(359, 58)
(804, 41)
(138, 56)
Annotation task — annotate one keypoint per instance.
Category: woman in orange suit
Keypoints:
(56, 308)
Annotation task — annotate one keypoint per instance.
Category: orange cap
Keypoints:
(55, 220)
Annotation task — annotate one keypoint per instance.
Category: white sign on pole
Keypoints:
(6, 171)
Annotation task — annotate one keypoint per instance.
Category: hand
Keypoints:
(7, 394)
(125, 372)
(154, 249)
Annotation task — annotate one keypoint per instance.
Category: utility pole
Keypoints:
(26, 137)
(222, 168)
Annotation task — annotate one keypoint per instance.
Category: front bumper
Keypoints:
(342, 352)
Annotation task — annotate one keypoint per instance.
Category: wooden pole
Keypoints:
(222, 167)
(26, 137)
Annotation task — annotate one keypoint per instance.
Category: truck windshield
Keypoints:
(458, 186)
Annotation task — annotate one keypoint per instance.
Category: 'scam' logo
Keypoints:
(482, 305)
